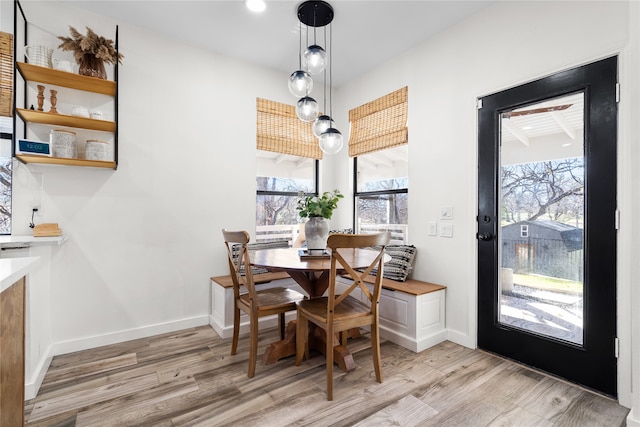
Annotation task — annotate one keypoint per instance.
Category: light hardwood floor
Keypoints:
(189, 378)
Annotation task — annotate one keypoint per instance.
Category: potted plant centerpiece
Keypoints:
(91, 52)
(318, 209)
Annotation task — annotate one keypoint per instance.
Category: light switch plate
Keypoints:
(446, 229)
(446, 212)
(433, 228)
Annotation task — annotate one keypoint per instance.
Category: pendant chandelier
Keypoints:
(315, 60)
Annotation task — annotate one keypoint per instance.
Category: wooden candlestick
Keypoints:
(54, 101)
(40, 97)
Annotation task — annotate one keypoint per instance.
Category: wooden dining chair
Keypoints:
(339, 313)
(255, 303)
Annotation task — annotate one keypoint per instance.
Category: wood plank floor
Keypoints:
(188, 378)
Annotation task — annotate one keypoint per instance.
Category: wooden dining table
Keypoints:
(312, 274)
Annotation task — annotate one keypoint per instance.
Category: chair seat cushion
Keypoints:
(275, 297)
(347, 309)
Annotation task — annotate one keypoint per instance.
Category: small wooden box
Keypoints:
(47, 230)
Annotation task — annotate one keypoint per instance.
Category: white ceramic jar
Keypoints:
(80, 111)
(97, 150)
(63, 143)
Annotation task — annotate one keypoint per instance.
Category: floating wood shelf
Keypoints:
(36, 73)
(27, 158)
(55, 119)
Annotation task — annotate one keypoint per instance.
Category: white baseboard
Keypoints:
(632, 421)
(411, 343)
(462, 339)
(32, 385)
(127, 335)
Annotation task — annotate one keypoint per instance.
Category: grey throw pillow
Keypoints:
(401, 263)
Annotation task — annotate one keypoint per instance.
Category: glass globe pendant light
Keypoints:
(321, 124)
(300, 83)
(331, 141)
(307, 109)
(315, 59)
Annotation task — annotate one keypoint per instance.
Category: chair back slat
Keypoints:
(335, 242)
(240, 276)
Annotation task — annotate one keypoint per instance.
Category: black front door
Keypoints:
(547, 224)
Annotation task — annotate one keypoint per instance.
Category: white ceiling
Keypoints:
(567, 122)
(365, 33)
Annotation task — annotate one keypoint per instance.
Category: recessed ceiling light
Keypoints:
(527, 127)
(255, 5)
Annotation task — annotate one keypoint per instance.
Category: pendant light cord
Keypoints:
(324, 78)
(300, 45)
(331, 72)
(315, 9)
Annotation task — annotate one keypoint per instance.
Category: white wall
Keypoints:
(629, 235)
(145, 239)
(504, 45)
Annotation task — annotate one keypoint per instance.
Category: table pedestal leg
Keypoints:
(317, 340)
(282, 348)
(341, 355)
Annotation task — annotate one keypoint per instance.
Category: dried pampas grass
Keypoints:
(92, 43)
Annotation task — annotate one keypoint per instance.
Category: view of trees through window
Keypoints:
(546, 200)
(382, 205)
(277, 199)
(551, 190)
(382, 193)
(5, 195)
(6, 133)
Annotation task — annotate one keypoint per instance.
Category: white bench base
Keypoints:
(416, 322)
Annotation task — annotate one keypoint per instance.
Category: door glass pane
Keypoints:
(542, 218)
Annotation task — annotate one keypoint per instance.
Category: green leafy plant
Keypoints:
(318, 206)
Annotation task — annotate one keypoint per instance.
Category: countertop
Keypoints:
(12, 269)
(26, 241)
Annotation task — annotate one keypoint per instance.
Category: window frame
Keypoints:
(316, 177)
(357, 193)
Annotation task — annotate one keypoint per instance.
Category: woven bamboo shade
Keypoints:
(279, 129)
(379, 124)
(6, 74)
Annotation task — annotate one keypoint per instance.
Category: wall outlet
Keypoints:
(446, 212)
(446, 229)
(433, 228)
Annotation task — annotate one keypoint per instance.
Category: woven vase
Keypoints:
(92, 67)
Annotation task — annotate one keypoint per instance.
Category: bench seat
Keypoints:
(410, 286)
(412, 313)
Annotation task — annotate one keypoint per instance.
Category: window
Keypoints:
(287, 164)
(524, 231)
(279, 179)
(381, 198)
(379, 145)
(6, 129)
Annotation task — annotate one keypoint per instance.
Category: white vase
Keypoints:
(316, 231)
